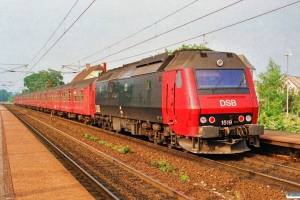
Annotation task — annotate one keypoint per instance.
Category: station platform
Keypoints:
(281, 136)
(28, 170)
(281, 142)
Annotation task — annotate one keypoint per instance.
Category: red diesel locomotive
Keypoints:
(202, 101)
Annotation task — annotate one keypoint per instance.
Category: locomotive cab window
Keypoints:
(221, 81)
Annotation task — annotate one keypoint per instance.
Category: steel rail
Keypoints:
(103, 190)
(271, 165)
(155, 183)
(245, 172)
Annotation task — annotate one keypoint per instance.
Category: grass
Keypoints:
(165, 166)
(121, 149)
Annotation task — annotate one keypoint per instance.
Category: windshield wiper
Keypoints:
(217, 84)
(240, 84)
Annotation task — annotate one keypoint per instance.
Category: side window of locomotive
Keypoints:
(149, 84)
(111, 85)
(178, 79)
(125, 87)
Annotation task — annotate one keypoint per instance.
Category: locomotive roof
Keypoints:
(180, 59)
(144, 66)
(204, 59)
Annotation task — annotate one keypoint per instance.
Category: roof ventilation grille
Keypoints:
(229, 55)
(203, 55)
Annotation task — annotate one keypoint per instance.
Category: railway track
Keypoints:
(229, 164)
(116, 173)
(272, 173)
(98, 190)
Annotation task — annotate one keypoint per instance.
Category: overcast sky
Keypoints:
(228, 25)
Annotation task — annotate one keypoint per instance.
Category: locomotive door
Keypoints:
(181, 108)
(168, 97)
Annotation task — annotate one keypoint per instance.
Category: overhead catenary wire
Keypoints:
(204, 34)
(50, 36)
(54, 31)
(137, 32)
(210, 32)
(154, 37)
(59, 38)
(12, 64)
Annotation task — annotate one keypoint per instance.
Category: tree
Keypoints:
(42, 79)
(269, 89)
(184, 47)
(4, 96)
(294, 101)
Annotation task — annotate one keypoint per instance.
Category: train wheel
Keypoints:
(87, 121)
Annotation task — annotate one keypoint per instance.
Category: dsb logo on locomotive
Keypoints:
(228, 102)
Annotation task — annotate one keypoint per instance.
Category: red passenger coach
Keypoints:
(73, 100)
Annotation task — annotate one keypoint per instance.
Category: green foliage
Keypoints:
(153, 163)
(11, 100)
(280, 122)
(6, 96)
(269, 90)
(185, 47)
(124, 149)
(272, 96)
(184, 177)
(40, 80)
(90, 137)
(164, 166)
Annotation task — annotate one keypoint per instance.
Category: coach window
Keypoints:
(82, 95)
(75, 96)
(178, 79)
(125, 87)
(149, 84)
(79, 94)
(69, 94)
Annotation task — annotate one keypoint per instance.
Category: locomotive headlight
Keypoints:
(248, 118)
(220, 63)
(241, 118)
(203, 120)
(212, 120)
